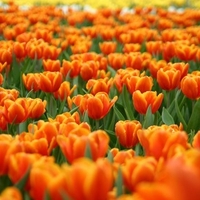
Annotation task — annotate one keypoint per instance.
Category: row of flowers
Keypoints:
(100, 105)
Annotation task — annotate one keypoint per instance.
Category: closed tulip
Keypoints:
(31, 81)
(51, 65)
(108, 47)
(142, 101)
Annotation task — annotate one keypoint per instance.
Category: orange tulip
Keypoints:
(73, 68)
(51, 52)
(64, 91)
(159, 142)
(11, 193)
(168, 78)
(36, 107)
(89, 70)
(99, 85)
(89, 31)
(168, 51)
(107, 33)
(196, 140)
(15, 111)
(51, 65)
(108, 47)
(131, 47)
(19, 50)
(181, 66)
(126, 131)
(154, 47)
(143, 83)
(99, 105)
(5, 56)
(31, 81)
(43, 34)
(142, 101)
(81, 47)
(135, 61)
(116, 60)
(138, 170)
(3, 66)
(88, 178)
(50, 81)
(190, 86)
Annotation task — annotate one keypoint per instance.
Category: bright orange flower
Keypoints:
(168, 51)
(8, 94)
(18, 165)
(168, 78)
(137, 36)
(70, 67)
(89, 70)
(15, 111)
(11, 193)
(164, 23)
(43, 34)
(99, 105)
(135, 61)
(126, 131)
(108, 47)
(2, 67)
(142, 101)
(107, 33)
(19, 50)
(116, 60)
(88, 178)
(36, 107)
(181, 66)
(143, 83)
(89, 31)
(51, 52)
(120, 156)
(50, 81)
(131, 47)
(154, 47)
(196, 140)
(31, 81)
(186, 52)
(190, 86)
(64, 91)
(51, 65)
(99, 85)
(154, 66)
(5, 56)
(137, 170)
(81, 47)
(160, 142)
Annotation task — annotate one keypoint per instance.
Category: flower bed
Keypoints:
(99, 105)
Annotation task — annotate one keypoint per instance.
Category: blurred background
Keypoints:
(113, 3)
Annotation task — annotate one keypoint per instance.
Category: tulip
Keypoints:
(11, 193)
(31, 81)
(126, 131)
(168, 51)
(99, 105)
(5, 56)
(108, 47)
(142, 101)
(19, 50)
(73, 68)
(50, 81)
(168, 78)
(88, 178)
(116, 60)
(196, 140)
(89, 31)
(51, 65)
(43, 34)
(51, 52)
(134, 61)
(190, 86)
(154, 47)
(131, 47)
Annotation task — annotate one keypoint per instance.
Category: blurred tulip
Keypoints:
(51, 52)
(73, 68)
(168, 51)
(154, 47)
(142, 101)
(131, 47)
(31, 81)
(50, 81)
(126, 131)
(11, 193)
(116, 60)
(181, 66)
(43, 34)
(99, 105)
(51, 65)
(19, 50)
(108, 47)
(168, 78)
(196, 140)
(5, 56)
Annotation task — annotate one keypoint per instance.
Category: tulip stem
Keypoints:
(97, 124)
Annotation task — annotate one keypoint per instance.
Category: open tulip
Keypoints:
(142, 101)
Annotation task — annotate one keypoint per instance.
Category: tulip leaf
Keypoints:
(64, 195)
(178, 112)
(149, 118)
(47, 195)
(118, 113)
(88, 153)
(166, 117)
(119, 183)
(22, 182)
(110, 157)
(193, 123)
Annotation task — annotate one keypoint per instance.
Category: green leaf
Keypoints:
(47, 195)
(149, 118)
(166, 117)
(88, 153)
(110, 157)
(119, 183)
(22, 182)
(193, 123)
(118, 113)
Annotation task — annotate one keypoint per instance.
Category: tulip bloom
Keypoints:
(142, 101)
(196, 140)
(19, 50)
(31, 81)
(160, 142)
(73, 68)
(51, 52)
(126, 131)
(154, 47)
(108, 47)
(64, 91)
(131, 47)
(50, 81)
(51, 65)
(168, 78)
(190, 86)
(99, 105)
(92, 180)
(11, 193)
(5, 56)
(116, 60)
(36, 107)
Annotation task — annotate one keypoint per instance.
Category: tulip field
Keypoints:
(100, 104)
